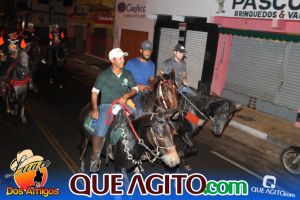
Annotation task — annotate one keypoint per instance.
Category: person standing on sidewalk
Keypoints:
(178, 64)
(113, 83)
(143, 71)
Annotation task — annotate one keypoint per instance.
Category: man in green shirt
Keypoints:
(113, 83)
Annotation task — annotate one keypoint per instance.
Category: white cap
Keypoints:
(116, 53)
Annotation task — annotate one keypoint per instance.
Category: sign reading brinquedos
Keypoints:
(262, 9)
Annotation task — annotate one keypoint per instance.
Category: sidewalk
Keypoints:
(267, 127)
(258, 124)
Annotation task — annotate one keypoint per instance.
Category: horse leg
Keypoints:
(23, 118)
(84, 146)
(8, 110)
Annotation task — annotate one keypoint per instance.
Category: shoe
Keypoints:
(61, 86)
(43, 61)
(51, 81)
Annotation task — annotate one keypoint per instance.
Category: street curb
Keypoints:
(257, 133)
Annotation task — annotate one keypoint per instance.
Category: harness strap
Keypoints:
(209, 117)
(14, 82)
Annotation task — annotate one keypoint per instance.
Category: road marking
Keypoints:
(53, 141)
(238, 165)
(242, 167)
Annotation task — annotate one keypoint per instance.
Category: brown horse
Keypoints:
(163, 97)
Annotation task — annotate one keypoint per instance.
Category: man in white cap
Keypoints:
(113, 83)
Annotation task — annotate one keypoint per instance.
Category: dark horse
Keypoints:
(57, 56)
(153, 140)
(197, 110)
(17, 86)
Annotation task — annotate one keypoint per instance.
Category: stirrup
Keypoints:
(93, 164)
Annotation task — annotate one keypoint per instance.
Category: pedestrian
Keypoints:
(113, 83)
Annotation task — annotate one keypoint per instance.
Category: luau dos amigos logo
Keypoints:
(30, 174)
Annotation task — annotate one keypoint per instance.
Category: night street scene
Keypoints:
(147, 99)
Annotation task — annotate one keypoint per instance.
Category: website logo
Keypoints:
(269, 181)
(270, 188)
(30, 175)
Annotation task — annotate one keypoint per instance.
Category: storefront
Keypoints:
(166, 26)
(90, 25)
(258, 55)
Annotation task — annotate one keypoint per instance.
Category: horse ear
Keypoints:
(172, 74)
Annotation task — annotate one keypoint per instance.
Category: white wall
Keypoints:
(192, 8)
(125, 20)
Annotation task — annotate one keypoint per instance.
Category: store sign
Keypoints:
(262, 9)
(132, 9)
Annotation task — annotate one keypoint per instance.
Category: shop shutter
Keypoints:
(290, 90)
(168, 39)
(195, 46)
(255, 67)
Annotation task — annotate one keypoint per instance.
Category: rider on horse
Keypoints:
(143, 71)
(10, 44)
(113, 83)
(32, 39)
(56, 37)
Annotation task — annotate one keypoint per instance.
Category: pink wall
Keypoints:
(222, 60)
(224, 44)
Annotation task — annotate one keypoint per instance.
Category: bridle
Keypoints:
(160, 92)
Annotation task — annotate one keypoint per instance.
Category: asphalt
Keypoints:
(257, 124)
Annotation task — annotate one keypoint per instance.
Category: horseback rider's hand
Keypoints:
(95, 113)
(124, 98)
(184, 81)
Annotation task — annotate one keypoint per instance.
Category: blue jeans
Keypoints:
(187, 90)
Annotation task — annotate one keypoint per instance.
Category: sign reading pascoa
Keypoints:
(263, 9)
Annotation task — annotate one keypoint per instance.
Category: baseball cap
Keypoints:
(116, 53)
(30, 24)
(180, 48)
(147, 45)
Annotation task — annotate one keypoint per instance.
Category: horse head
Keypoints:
(166, 91)
(221, 113)
(160, 134)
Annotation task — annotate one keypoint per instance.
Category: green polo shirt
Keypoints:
(112, 87)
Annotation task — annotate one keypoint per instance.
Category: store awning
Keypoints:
(259, 34)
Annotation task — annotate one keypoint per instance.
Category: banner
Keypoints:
(259, 9)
